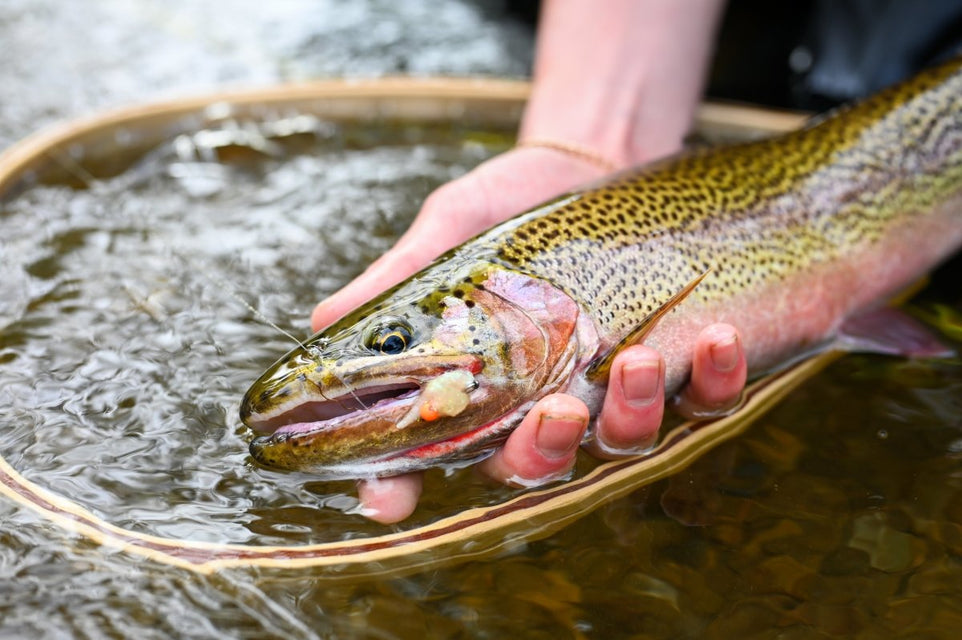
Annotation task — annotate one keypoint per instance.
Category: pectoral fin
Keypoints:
(601, 365)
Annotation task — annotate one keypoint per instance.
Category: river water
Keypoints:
(125, 344)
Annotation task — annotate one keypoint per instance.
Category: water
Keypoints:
(123, 356)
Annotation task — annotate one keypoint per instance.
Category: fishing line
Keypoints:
(225, 287)
(228, 289)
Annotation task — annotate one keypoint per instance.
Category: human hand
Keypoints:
(544, 445)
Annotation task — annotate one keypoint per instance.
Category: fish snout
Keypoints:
(270, 393)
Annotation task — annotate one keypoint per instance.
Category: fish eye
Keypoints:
(390, 339)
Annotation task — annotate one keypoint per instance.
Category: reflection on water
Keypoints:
(124, 352)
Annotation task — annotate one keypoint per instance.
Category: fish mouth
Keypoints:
(370, 433)
(356, 430)
(314, 414)
(359, 436)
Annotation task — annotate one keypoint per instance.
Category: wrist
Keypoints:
(621, 83)
(574, 151)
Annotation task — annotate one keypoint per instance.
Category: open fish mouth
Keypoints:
(316, 414)
(383, 429)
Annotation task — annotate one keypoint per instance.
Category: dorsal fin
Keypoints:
(601, 365)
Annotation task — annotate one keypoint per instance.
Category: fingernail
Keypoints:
(558, 436)
(640, 381)
(724, 354)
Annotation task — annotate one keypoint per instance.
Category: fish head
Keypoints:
(437, 370)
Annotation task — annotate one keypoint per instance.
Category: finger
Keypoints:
(718, 374)
(634, 403)
(544, 445)
(389, 500)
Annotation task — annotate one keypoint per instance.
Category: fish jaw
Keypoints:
(368, 443)
(514, 338)
(309, 415)
(306, 386)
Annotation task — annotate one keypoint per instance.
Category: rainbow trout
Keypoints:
(785, 238)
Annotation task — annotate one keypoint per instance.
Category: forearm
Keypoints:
(620, 77)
